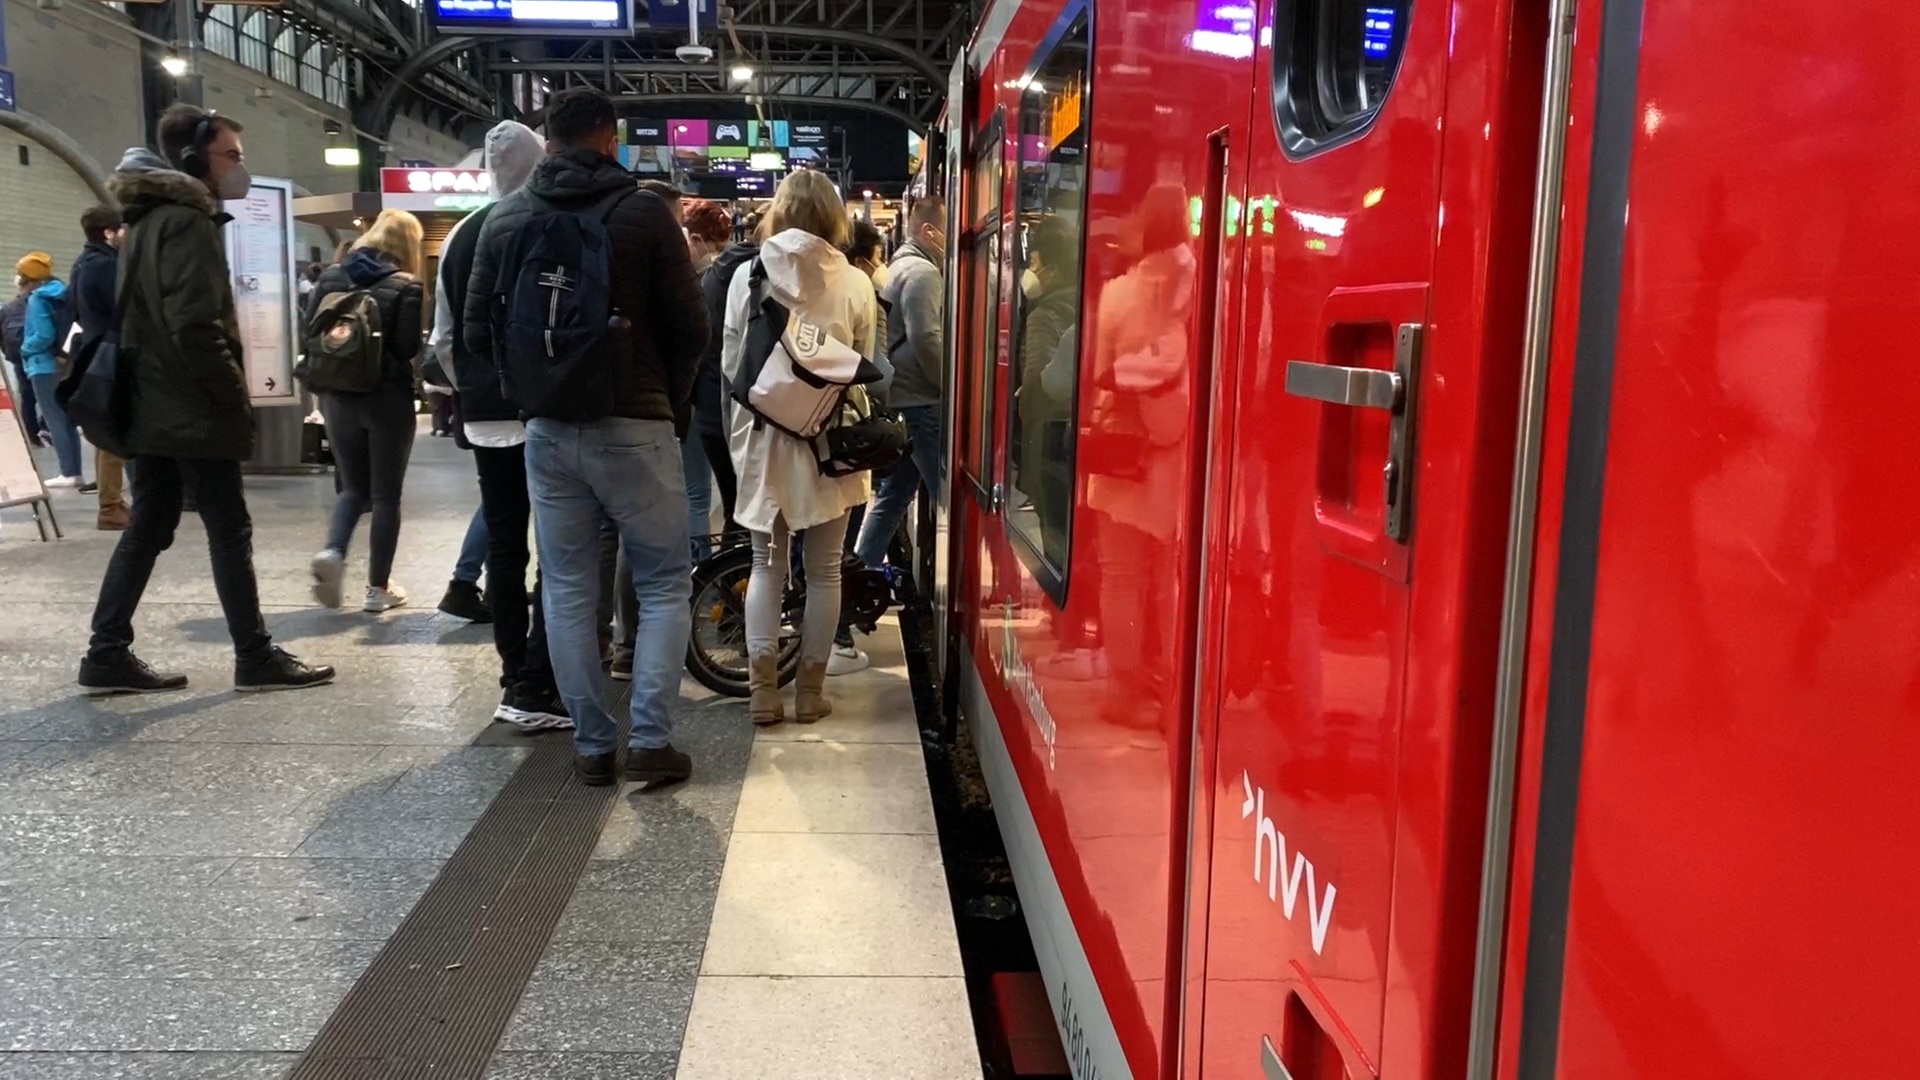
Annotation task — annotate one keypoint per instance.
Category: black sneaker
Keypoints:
(89, 487)
(127, 675)
(278, 670)
(661, 765)
(464, 600)
(621, 665)
(538, 708)
(595, 770)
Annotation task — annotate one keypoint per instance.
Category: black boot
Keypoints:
(126, 675)
(464, 600)
(278, 670)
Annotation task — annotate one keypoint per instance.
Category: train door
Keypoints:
(1314, 660)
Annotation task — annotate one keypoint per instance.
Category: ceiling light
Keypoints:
(173, 65)
(742, 73)
(343, 156)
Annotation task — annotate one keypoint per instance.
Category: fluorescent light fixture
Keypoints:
(346, 157)
(173, 64)
(742, 73)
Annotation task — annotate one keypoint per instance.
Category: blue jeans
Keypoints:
(473, 550)
(628, 471)
(693, 460)
(66, 437)
(890, 503)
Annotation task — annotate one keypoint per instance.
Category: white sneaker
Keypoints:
(329, 568)
(847, 659)
(64, 482)
(379, 599)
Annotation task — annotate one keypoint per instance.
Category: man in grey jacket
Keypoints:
(917, 350)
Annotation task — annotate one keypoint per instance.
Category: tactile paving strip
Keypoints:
(436, 1000)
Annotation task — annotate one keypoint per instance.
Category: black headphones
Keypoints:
(193, 159)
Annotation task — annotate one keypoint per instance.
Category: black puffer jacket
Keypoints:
(711, 389)
(399, 295)
(653, 280)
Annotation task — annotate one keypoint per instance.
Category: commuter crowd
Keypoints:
(612, 356)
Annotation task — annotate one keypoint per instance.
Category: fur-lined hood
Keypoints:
(144, 181)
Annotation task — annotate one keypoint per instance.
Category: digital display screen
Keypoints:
(1376, 39)
(557, 17)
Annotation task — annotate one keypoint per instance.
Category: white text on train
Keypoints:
(1015, 675)
(1284, 884)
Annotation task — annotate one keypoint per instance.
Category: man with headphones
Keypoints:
(190, 424)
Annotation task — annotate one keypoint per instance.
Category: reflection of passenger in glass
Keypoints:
(1042, 413)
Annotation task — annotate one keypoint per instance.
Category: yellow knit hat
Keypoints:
(36, 266)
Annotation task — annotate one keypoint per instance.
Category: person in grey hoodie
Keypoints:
(490, 424)
(916, 298)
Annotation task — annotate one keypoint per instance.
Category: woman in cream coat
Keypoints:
(781, 489)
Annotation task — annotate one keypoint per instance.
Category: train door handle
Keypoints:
(1270, 1062)
(1371, 388)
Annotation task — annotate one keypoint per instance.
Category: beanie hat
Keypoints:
(36, 266)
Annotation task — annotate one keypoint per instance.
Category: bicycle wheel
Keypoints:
(717, 647)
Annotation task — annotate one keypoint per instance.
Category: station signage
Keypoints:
(435, 189)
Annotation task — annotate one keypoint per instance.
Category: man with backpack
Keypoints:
(583, 289)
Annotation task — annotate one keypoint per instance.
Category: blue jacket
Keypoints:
(45, 333)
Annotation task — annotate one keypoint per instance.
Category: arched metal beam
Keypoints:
(64, 148)
(914, 123)
(377, 115)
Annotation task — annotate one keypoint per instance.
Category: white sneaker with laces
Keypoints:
(847, 659)
(64, 482)
(384, 599)
(329, 569)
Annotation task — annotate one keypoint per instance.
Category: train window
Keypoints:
(1043, 373)
(1333, 63)
(981, 264)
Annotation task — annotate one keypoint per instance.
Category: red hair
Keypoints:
(709, 221)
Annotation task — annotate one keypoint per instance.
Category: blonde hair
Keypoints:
(396, 234)
(808, 201)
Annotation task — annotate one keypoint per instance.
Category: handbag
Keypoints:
(98, 394)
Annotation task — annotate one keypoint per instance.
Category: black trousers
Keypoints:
(519, 636)
(159, 485)
(721, 459)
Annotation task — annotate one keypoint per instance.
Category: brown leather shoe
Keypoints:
(112, 519)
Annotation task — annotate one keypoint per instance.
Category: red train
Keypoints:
(1403, 555)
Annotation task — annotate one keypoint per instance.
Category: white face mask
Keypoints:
(1029, 283)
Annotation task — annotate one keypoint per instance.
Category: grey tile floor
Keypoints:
(189, 883)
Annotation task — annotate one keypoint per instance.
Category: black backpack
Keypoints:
(563, 343)
(345, 344)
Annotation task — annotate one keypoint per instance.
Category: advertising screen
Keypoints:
(581, 18)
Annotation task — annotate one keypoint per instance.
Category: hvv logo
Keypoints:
(1283, 882)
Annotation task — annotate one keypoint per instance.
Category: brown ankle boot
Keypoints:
(809, 692)
(112, 519)
(763, 682)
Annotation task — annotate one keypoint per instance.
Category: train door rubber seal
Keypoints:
(1603, 258)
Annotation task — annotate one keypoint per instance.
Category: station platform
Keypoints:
(372, 879)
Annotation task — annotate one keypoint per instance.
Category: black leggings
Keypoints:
(372, 439)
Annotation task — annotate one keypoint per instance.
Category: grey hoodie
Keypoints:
(916, 295)
(512, 150)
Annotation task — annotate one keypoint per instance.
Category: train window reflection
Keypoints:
(1333, 63)
(1044, 370)
(983, 262)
